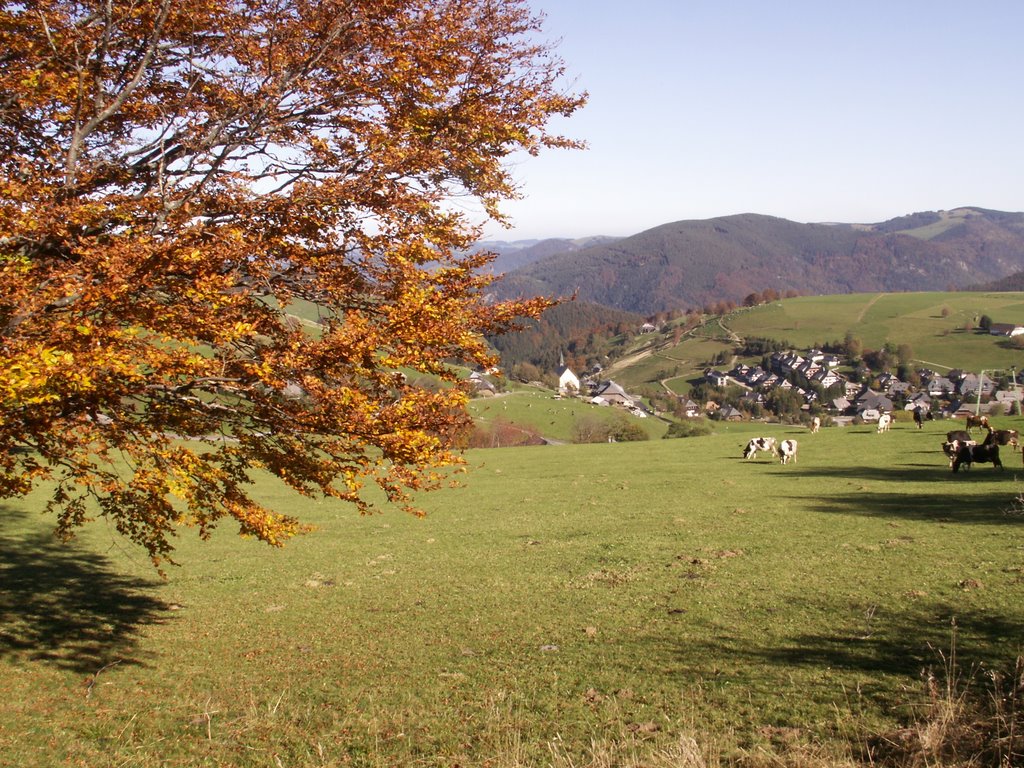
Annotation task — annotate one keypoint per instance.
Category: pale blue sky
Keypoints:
(812, 111)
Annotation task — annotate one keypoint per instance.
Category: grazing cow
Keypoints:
(787, 451)
(758, 444)
(969, 454)
(976, 421)
(952, 447)
(815, 424)
(884, 422)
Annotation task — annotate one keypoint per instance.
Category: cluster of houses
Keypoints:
(948, 393)
(598, 392)
(809, 374)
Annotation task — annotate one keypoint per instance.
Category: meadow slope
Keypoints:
(567, 605)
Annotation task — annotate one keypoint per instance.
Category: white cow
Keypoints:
(787, 451)
(815, 424)
(884, 422)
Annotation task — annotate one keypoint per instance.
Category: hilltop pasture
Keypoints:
(662, 603)
(936, 336)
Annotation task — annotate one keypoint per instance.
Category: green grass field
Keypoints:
(656, 603)
(554, 419)
(900, 318)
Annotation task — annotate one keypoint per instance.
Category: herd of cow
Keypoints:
(963, 450)
(960, 446)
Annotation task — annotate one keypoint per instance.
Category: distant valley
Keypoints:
(691, 264)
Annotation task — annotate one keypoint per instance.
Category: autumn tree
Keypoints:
(178, 179)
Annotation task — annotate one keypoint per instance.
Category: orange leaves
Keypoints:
(228, 245)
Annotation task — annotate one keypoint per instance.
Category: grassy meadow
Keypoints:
(932, 323)
(660, 603)
(536, 409)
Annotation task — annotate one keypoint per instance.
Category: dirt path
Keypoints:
(869, 305)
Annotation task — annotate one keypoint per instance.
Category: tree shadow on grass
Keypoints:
(67, 606)
(981, 495)
(988, 508)
(936, 638)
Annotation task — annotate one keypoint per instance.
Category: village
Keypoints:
(815, 385)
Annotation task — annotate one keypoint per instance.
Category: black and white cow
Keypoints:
(758, 444)
(969, 454)
(952, 447)
(787, 451)
(921, 415)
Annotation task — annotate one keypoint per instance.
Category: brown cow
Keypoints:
(1010, 437)
(979, 420)
(1004, 437)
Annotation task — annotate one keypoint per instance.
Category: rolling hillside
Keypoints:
(692, 263)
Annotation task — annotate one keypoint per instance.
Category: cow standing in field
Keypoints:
(1009, 437)
(952, 447)
(758, 444)
(955, 440)
(787, 451)
(815, 425)
(920, 415)
(969, 454)
(884, 422)
(976, 421)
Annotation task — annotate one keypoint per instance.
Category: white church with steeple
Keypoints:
(568, 382)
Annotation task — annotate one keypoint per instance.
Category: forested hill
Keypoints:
(568, 328)
(694, 263)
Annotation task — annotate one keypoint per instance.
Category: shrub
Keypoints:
(688, 428)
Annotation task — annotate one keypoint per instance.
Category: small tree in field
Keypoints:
(176, 178)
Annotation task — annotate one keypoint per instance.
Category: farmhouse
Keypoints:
(919, 400)
(840, 405)
(480, 384)
(752, 398)
(939, 386)
(871, 404)
(1005, 329)
(971, 384)
(827, 377)
(784, 363)
(1009, 398)
(716, 378)
(690, 409)
(728, 413)
(610, 392)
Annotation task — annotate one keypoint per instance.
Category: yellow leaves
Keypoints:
(30, 377)
(255, 520)
(145, 259)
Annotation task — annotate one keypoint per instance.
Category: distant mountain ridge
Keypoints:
(519, 253)
(696, 262)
